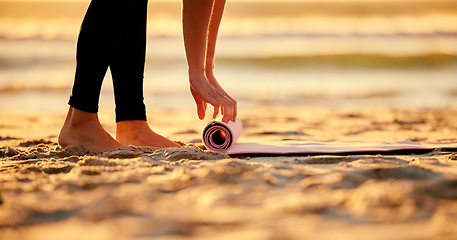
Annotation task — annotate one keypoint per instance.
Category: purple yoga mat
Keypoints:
(222, 137)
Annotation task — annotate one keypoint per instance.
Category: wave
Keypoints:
(346, 60)
(12, 89)
(61, 20)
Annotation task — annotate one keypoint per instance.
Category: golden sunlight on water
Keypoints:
(61, 19)
(323, 48)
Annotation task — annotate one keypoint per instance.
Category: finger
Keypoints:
(201, 105)
(216, 110)
(230, 109)
(201, 110)
(228, 112)
(235, 110)
(225, 117)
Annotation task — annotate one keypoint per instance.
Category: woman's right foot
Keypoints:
(84, 129)
(138, 133)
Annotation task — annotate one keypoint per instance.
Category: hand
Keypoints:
(207, 90)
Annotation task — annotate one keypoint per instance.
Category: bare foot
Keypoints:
(138, 133)
(84, 129)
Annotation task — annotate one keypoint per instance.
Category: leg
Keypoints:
(127, 68)
(98, 37)
(127, 65)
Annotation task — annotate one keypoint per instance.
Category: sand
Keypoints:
(50, 192)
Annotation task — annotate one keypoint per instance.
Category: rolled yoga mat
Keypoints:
(222, 137)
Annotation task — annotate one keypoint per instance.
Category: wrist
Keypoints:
(209, 65)
(209, 69)
(196, 73)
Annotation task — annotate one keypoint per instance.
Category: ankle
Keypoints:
(131, 126)
(81, 118)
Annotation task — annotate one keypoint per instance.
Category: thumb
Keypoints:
(201, 105)
(201, 109)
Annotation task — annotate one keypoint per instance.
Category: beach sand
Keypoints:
(50, 192)
(300, 70)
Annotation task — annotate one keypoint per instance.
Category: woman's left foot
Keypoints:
(138, 133)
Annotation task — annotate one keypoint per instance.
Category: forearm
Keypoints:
(196, 18)
(201, 19)
(215, 20)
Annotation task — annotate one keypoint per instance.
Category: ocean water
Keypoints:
(326, 54)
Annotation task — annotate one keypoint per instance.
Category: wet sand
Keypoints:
(50, 192)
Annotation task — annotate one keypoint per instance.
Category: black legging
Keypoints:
(113, 33)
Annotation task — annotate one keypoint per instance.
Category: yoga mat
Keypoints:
(222, 137)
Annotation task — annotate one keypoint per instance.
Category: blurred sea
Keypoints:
(332, 54)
